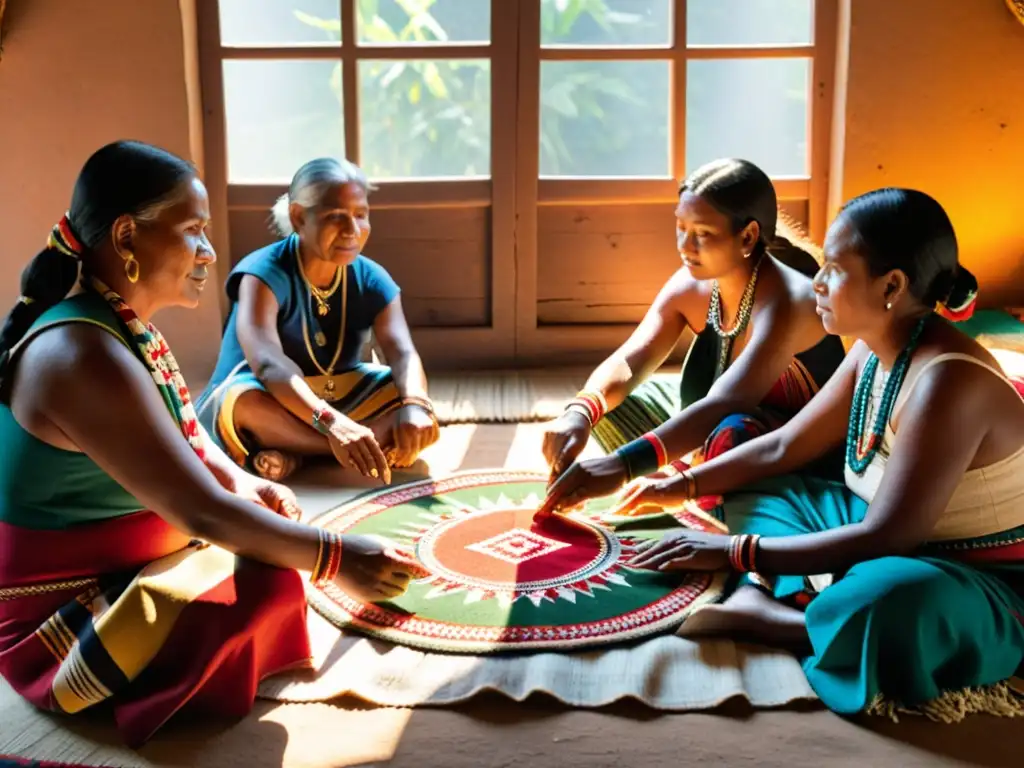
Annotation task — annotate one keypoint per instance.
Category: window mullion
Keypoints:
(350, 80)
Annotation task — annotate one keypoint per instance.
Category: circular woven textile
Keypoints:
(501, 581)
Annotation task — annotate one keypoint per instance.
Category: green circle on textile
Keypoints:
(501, 581)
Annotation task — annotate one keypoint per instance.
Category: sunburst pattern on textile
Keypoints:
(501, 581)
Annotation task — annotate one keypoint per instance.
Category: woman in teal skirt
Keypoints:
(903, 586)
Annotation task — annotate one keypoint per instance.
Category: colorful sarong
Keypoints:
(129, 611)
(938, 633)
(364, 394)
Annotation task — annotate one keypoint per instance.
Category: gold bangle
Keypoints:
(691, 483)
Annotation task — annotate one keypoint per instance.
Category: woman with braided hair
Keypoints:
(759, 354)
(139, 566)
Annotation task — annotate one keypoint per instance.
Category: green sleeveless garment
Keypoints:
(43, 487)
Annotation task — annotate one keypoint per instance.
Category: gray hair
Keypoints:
(310, 183)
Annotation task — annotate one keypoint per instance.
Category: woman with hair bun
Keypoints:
(759, 354)
(922, 545)
(289, 381)
(140, 568)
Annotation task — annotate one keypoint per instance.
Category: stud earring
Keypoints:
(888, 306)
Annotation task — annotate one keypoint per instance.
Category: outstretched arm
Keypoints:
(926, 465)
(415, 426)
(128, 431)
(392, 333)
(816, 429)
(645, 350)
(819, 427)
(648, 346)
(257, 334)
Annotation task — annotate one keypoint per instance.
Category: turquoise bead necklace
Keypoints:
(861, 448)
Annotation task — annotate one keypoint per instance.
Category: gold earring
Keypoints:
(131, 268)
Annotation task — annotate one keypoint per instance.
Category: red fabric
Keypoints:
(250, 626)
(10, 761)
(30, 556)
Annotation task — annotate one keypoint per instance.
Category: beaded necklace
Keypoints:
(742, 317)
(861, 448)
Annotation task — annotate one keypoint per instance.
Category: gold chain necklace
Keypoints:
(743, 314)
(328, 372)
(321, 295)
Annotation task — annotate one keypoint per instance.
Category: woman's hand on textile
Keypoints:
(373, 570)
(564, 440)
(274, 496)
(415, 430)
(653, 495)
(684, 550)
(354, 445)
(589, 479)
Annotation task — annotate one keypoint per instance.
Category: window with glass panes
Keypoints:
(526, 152)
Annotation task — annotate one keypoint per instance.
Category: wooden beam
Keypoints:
(215, 145)
(626, 191)
(350, 82)
(502, 188)
(822, 99)
(677, 90)
(527, 168)
(749, 52)
(592, 53)
(429, 193)
(336, 51)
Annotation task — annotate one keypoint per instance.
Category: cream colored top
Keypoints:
(988, 499)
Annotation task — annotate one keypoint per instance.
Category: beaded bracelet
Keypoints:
(328, 557)
(643, 456)
(743, 551)
(323, 418)
(591, 404)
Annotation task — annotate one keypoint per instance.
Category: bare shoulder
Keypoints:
(963, 395)
(943, 338)
(72, 365)
(794, 287)
(789, 298)
(685, 294)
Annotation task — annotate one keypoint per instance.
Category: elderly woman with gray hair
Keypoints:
(289, 381)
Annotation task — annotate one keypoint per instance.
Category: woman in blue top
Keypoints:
(289, 380)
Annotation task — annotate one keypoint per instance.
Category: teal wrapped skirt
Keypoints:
(908, 631)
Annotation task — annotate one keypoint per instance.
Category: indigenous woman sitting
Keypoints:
(139, 566)
(759, 354)
(289, 381)
(924, 541)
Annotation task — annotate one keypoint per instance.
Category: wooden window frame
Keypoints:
(514, 190)
(568, 342)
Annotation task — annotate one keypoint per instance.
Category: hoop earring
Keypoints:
(131, 268)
